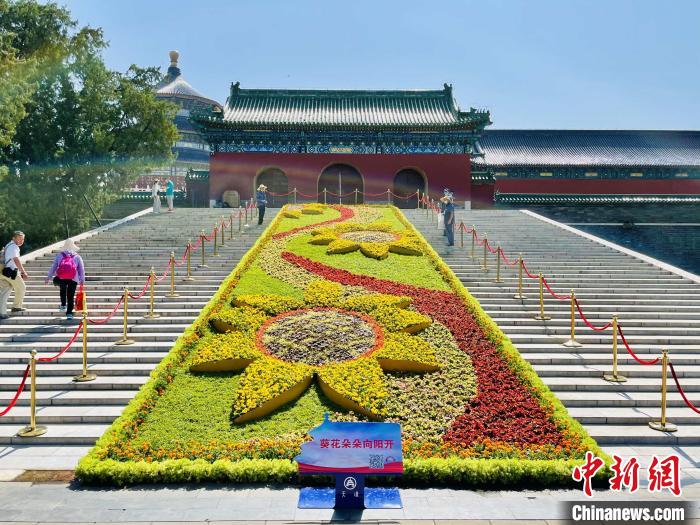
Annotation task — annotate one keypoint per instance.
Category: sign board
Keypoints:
(346, 447)
(350, 451)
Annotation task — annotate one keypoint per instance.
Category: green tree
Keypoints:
(85, 132)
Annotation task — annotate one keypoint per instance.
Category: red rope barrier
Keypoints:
(374, 194)
(597, 329)
(406, 197)
(527, 272)
(508, 262)
(488, 246)
(110, 315)
(308, 196)
(556, 296)
(280, 194)
(691, 406)
(64, 349)
(341, 194)
(145, 287)
(13, 401)
(211, 237)
(167, 272)
(639, 360)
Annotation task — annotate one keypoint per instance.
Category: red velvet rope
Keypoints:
(639, 360)
(167, 272)
(406, 197)
(556, 296)
(341, 194)
(488, 246)
(597, 329)
(211, 237)
(110, 315)
(64, 349)
(505, 260)
(691, 406)
(13, 401)
(280, 194)
(374, 194)
(527, 272)
(308, 196)
(143, 291)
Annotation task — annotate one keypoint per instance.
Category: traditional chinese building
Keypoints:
(341, 141)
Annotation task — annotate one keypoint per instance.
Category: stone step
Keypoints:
(596, 383)
(75, 355)
(635, 434)
(632, 415)
(61, 369)
(575, 371)
(61, 415)
(73, 397)
(63, 383)
(58, 434)
(605, 400)
(546, 358)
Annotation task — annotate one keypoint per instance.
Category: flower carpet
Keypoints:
(343, 310)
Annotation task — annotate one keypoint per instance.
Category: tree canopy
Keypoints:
(71, 130)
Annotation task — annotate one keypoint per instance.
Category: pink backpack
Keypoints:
(66, 267)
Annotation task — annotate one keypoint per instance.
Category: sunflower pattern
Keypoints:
(374, 240)
(344, 343)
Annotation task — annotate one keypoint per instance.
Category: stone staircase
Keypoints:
(657, 308)
(76, 414)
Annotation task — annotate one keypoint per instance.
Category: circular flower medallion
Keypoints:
(319, 336)
(369, 236)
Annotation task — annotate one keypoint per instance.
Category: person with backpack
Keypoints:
(13, 272)
(67, 273)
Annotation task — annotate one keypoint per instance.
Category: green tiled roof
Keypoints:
(420, 110)
(554, 198)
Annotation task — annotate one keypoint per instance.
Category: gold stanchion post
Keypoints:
(125, 340)
(485, 263)
(295, 195)
(572, 342)
(216, 236)
(356, 192)
(540, 316)
(172, 293)
(32, 430)
(189, 262)
(519, 294)
(325, 198)
(84, 376)
(614, 377)
(461, 235)
(472, 255)
(230, 233)
(388, 196)
(663, 425)
(498, 265)
(151, 307)
(223, 231)
(240, 220)
(202, 238)
(418, 199)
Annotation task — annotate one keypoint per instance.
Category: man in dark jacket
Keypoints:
(261, 199)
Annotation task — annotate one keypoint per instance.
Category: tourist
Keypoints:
(155, 192)
(261, 199)
(13, 272)
(5, 289)
(445, 193)
(449, 220)
(67, 273)
(169, 193)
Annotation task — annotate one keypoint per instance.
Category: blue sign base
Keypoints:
(324, 498)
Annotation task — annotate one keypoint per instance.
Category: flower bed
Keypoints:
(290, 336)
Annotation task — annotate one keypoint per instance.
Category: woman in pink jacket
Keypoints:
(67, 273)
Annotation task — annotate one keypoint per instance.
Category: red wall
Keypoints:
(602, 186)
(237, 171)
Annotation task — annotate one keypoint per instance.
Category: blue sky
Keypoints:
(597, 64)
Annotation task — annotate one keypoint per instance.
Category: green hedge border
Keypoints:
(474, 473)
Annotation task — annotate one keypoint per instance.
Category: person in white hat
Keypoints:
(67, 273)
(261, 199)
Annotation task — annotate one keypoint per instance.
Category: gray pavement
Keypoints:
(62, 503)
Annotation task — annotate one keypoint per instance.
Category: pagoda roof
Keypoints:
(173, 86)
(513, 147)
(342, 110)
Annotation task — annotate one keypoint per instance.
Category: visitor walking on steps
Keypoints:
(169, 193)
(67, 273)
(5, 290)
(449, 220)
(155, 192)
(261, 199)
(13, 272)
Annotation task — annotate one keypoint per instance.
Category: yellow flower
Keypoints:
(374, 240)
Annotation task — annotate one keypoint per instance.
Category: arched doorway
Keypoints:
(340, 178)
(406, 182)
(276, 182)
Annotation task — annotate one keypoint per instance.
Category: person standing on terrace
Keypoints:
(67, 273)
(261, 199)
